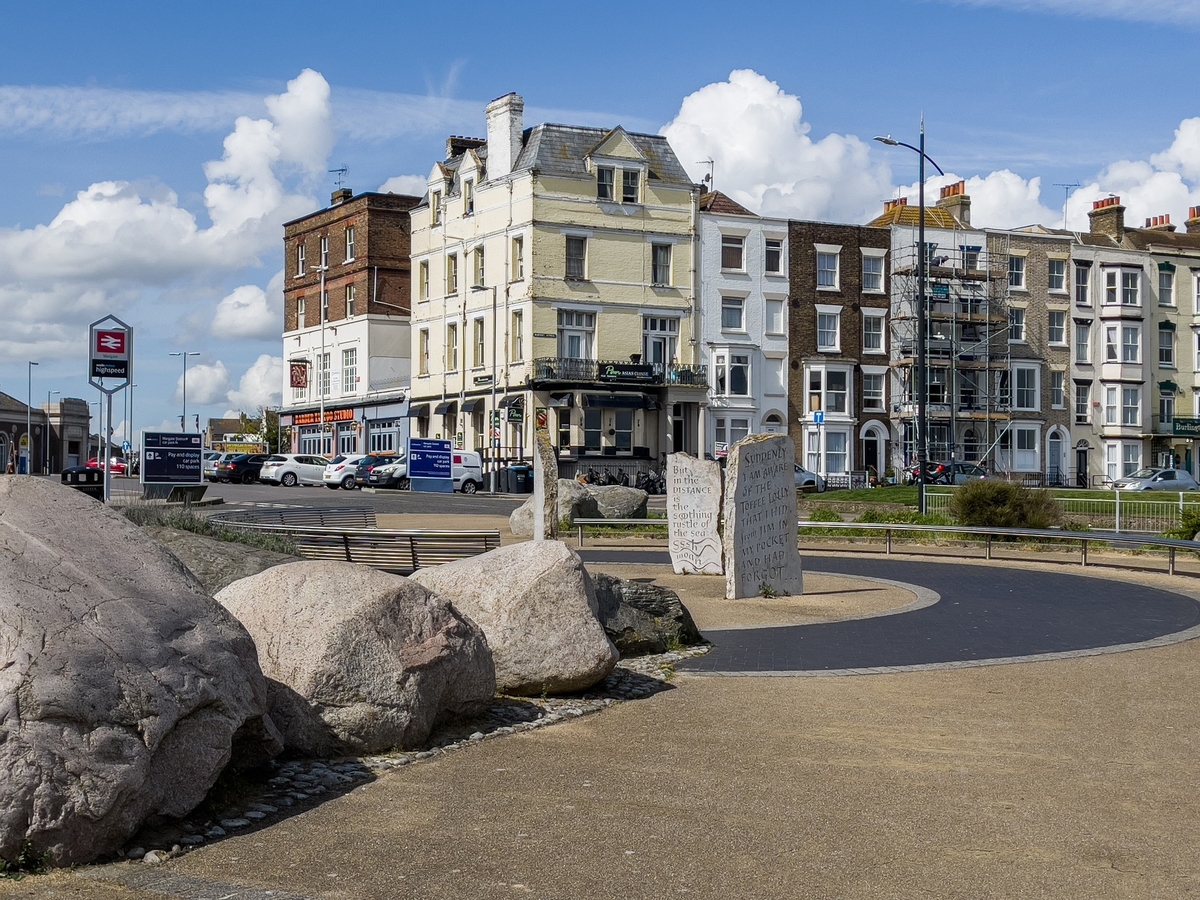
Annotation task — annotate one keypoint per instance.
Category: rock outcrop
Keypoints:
(616, 501)
(536, 604)
(357, 660)
(642, 618)
(216, 564)
(575, 501)
(125, 689)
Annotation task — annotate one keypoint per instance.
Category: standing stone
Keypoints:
(545, 487)
(693, 509)
(760, 518)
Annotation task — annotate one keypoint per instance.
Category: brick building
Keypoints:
(348, 352)
(839, 345)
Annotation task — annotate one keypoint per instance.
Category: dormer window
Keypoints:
(435, 207)
(468, 197)
(629, 187)
(604, 184)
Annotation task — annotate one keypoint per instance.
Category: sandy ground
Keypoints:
(1064, 779)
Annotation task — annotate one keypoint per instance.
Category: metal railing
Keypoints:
(1119, 513)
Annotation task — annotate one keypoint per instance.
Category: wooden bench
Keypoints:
(300, 516)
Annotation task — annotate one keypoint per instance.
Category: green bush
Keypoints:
(186, 520)
(1001, 504)
(1188, 526)
(821, 514)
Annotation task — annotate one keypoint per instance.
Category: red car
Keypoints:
(116, 465)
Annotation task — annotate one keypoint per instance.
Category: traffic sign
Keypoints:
(172, 458)
(430, 466)
(819, 417)
(126, 446)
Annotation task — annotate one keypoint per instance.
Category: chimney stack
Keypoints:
(505, 124)
(1193, 220)
(341, 195)
(889, 205)
(1108, 217)
(957, 202)
(1160, 223)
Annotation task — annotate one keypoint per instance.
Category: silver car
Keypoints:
(211, 459)
(1157, 480)
(290, 469)
(807, 481)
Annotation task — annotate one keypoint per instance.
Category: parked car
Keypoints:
(210, 461)
(339, 472)
(467, 471)
(808, 481)
(1156, 480)
(242, 467)
(362, 472)
(935, 473)
(290, 469)
(116, 465)
(210, 465)
(964, 472)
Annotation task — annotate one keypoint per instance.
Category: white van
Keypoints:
(467, 472)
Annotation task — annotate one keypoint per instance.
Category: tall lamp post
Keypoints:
(46, 437)
(29, 422)
(922, 448)
(185, 354)
(494, 423)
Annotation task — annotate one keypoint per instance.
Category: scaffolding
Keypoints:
(969, 399)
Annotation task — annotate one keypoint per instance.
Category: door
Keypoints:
(1054, 460)
(1081, 467)
(871, 455)
(312, 468)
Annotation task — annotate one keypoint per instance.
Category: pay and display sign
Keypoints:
(172, 458)
(109, 350)
(430, 465)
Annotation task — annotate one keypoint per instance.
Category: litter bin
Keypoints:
(519, 481)
(90, 481)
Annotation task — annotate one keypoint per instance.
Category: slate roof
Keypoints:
(561, 150)
(722, 205)
(13, 405)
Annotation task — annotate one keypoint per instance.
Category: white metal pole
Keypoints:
(107, 447)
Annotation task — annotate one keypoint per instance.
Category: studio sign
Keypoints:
(626, 372)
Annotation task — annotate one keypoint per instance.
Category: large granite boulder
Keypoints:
(357, 660)
(537, 606)
(643, 618)
(616, 501)
(575, 501)
(124, 688)
(216, 564)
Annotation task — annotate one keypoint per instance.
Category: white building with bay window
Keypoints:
(743, 322)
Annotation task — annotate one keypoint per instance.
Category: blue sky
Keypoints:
(138, 97)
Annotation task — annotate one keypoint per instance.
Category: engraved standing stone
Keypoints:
(545, 488)
(693, 509)
(760, 517)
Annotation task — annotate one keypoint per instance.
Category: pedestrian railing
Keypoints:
(1140, 513)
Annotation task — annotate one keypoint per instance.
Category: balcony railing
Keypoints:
(592, 371)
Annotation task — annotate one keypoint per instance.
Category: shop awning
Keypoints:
(418, 411)
(562, 400)
(446, 408)
(515, 400)
(476, 405)
(618, 401)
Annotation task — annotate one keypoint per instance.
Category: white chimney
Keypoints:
(505, 123)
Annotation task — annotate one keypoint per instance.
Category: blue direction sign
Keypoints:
(431, 466)
(819, 417)
(172, 458)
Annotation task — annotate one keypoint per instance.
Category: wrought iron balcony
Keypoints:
(594, 371)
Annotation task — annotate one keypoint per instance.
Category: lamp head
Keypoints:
(887, 139)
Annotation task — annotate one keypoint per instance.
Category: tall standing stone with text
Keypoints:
(693, 510)
(760, 518)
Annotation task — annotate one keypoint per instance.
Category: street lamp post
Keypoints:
(494, 423)
(184, 354)
(29, 422)
(46, 437)
(922, 447)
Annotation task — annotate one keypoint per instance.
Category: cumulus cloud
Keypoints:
(115, 239)
(206, 383)
(250, 313)
(1001, 199)
(763, 155)
(413, 185)
(261, 385)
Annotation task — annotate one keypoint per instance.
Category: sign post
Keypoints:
(430, 466)
(110, 358)
(172, 460)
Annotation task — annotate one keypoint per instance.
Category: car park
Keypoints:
(339, 472)
(116, 465)
(808, 482)
(1157, 480)
(467, 472)
(241, 468)
(210, 465)
(362, 472)
(290, 469)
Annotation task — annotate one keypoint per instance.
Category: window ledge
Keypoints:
(829, 349)
(733, 271)
(829, 290)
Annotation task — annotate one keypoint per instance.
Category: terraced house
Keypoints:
(554, 287)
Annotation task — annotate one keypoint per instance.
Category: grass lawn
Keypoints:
(908, 495)
(897, 494)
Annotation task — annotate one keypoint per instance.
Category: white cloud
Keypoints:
(1183, 156)
(250, 313)
(115, 239)
(1000, 199)
(205, 384)
(763, 155)
(261, 385)
(413, 185)
(1158, 12)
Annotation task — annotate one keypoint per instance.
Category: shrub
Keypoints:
(1188, 526)
(186, 520)
(1001, 504)
(821, 514)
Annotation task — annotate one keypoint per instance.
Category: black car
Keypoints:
(244, 467)
(362, 472)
